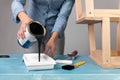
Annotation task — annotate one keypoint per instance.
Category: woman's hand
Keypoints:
(25, 20)
(50, 48)
(51, 45)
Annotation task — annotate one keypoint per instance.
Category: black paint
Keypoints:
(37, 30)
(39, 40)
(68, 67)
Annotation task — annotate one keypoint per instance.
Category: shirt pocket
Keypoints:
(56, 4)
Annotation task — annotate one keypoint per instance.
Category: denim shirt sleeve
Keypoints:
(16, 7)
(63, 15)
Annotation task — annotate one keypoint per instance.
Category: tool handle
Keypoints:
(79, 63)
(73, 53)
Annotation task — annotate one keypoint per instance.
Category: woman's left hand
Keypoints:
(50, 48)
(51, 45)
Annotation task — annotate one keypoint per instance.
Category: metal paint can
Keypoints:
(33, 29)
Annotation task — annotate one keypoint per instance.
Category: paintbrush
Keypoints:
(70, 67)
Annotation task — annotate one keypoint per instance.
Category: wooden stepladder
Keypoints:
(105, 57)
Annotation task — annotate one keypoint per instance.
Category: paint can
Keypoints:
(33, 29)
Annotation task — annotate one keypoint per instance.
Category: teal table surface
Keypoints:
(13, 68)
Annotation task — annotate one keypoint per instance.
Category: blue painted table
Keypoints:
(13, 68)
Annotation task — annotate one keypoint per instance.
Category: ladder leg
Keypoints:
(106, 47)
(92, 38)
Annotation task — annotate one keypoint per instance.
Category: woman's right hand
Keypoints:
(25, 20)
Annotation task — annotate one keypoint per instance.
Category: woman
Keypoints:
(53, 14)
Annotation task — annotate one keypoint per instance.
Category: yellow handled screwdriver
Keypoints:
(70, 67)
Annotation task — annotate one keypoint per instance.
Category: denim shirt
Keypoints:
(53, 14)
